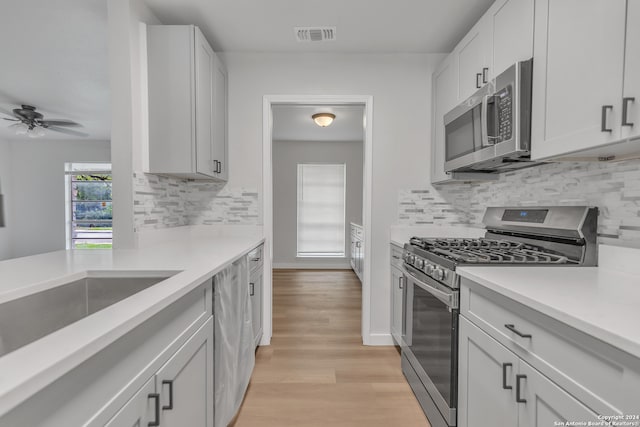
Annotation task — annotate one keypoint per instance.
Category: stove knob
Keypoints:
(438, 273)
(411, 259)
(429, 269)
(419, 263)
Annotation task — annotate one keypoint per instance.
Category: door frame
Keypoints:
(267, 197)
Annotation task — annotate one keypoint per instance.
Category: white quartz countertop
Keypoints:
(198, 257)
(601, 301)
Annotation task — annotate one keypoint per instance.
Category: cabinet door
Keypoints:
(472, 58)
(512, 35)
(255, 293)
(219, 147)
(139, 411)
(444, 99)
(397, 303)
(185, 382)
(204, 60)
(632, 71)
(577, 75)
(546, 403)
(485, 368)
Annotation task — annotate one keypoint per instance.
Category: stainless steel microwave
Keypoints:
(491, 131)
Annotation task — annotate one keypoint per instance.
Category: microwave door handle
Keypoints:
(484, 128)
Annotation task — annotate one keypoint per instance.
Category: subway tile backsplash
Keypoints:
(163, 202)
(613, 187)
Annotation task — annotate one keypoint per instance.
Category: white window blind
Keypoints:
(321, 210)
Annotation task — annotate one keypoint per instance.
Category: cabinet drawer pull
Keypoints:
(603, 122)
(485, 70)
(255, 259)
(251, 289)
(156, 397)
(519, 388)
(478, 75)
(170, 384)
(513, 329)
(400, 281)
(625, 111)
(504, 376)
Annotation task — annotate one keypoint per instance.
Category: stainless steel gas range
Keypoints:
(560, 235)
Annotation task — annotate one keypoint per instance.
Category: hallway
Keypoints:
(317, 372)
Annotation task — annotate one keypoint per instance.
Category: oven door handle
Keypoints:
(449, 298)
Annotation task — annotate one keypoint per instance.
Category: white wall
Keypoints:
(286, 156)
(5, 190)
(36, 199)
(400, 86)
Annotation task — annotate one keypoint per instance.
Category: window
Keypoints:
(89, 205)
(321, 210)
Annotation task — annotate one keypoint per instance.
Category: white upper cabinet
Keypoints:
(187, 104)
(511, 22)
(472, 60)
(503, 36)
(578, 71)
(631, 93)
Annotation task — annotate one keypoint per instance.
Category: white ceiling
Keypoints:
(54, 56)
(371, 26)
(294, 123)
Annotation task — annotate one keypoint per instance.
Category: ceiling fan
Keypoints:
(32, 123)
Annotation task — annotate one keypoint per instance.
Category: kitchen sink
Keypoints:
(34, 316)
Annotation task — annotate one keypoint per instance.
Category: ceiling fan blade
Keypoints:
(47, 123)
(67, 131)
(11, 120)
(7, 113)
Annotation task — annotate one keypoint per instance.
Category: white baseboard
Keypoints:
(378, 339)
(312, 266)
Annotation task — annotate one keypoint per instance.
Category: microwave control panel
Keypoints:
(504, 106)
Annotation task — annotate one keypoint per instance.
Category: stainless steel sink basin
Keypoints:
(34, 316)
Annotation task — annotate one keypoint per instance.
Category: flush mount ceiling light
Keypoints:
(323, 119)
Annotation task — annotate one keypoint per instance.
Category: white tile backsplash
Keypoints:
(613, 187)
(163, 202)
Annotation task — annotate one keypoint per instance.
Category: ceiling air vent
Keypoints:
(315, 34)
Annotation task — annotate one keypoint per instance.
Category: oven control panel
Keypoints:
(424, 266)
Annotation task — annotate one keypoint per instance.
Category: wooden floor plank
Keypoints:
(316, 372)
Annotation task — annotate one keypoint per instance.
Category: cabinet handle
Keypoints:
(396, 257)
(485, 71)
(251, 289)
(625, 111)
(513, 329)
(519, 389)
(170, 384)
(156, 397)
(400, 281)
(215, 166)
(603, 122)
(478, 75)
(504, 376)
(219, 167)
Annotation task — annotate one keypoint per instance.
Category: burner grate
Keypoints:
(488, 251)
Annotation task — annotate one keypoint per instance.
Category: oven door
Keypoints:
(431, 339)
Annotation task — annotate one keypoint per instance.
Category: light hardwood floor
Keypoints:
(316, 372)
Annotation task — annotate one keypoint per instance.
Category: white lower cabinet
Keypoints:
(180, 393)
(255, 293)
(397, 295)
(484, 368)
(546, 403)
(185, 382)
(497, 388)
(139, 410)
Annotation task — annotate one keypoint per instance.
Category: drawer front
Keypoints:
(602, 377)
(255, 257)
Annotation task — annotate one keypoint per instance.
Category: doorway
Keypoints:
(272, 107)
